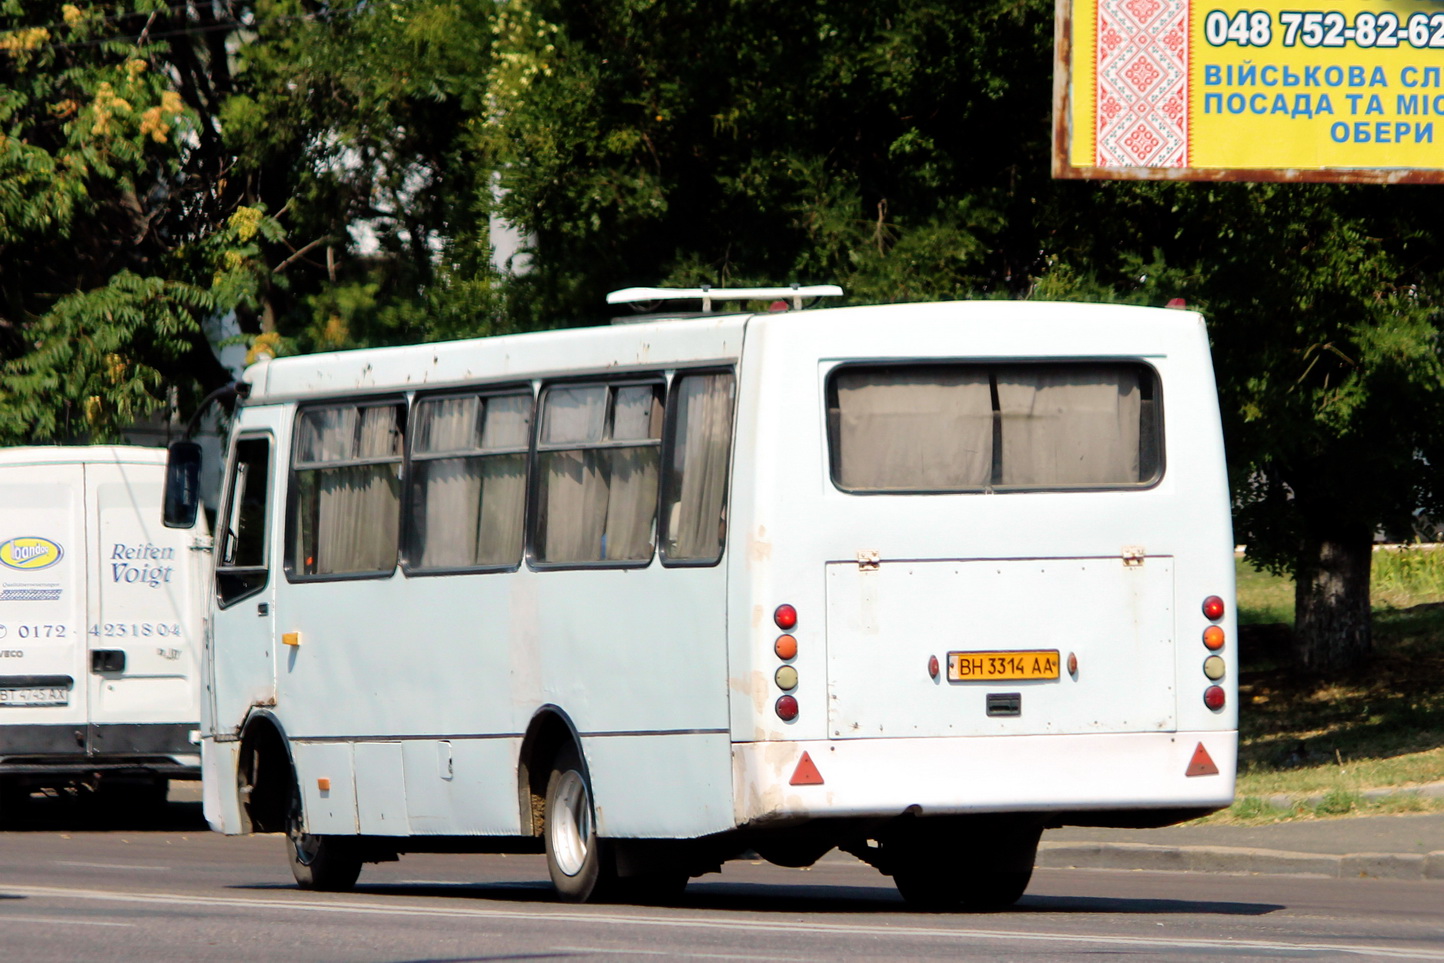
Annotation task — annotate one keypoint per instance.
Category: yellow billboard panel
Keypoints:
(1270, 90)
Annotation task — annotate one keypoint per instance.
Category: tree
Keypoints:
(902, 150)
(115, 234)
(163, 166)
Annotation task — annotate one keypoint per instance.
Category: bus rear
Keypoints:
(983, 584)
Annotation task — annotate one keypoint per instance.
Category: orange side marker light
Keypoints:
(1201, 764)
(806, 773)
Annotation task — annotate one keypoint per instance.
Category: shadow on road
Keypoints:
(92, 812)
(780, 900)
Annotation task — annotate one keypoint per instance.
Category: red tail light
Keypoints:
(1213, 608)
(786, 708)
(786, 617)
(1213, 697)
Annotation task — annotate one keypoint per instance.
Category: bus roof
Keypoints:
(995, 328)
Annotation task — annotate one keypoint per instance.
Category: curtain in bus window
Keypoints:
(448, 490)
(914, 429)
(355, 507)
(599, 501)
(1069, 425)
(468, 511)
(631, 504)
(503, 503)
(575, 505)
(575, 415)
(698, 487)
(632, 498)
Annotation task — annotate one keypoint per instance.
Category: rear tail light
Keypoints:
(785, 647)
(1213, 697)
(1213, 638)
(786, 617)
(786, 708)
(1213, 608)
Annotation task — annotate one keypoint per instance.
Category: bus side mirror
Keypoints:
(182, 484)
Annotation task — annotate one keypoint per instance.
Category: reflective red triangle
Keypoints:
(1201, 764)
(806, 773)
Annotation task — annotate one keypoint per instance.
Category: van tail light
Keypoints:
(1213, 697)
(1213, 608)
(786, 617)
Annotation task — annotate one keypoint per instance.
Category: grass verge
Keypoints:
(1312, 747)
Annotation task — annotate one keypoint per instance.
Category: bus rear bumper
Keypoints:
(1110, 775)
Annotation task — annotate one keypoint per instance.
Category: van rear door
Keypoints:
(143, 605)
(43, 672)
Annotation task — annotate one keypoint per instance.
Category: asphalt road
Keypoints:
(174, 891)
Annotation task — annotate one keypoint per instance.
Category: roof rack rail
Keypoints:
(707, 294)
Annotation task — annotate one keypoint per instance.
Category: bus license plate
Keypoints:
(49, 696)
(1002, 666)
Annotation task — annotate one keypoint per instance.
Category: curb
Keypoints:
(1223, 859)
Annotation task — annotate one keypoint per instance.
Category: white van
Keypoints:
(100, 624)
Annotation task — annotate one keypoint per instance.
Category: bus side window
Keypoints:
(345, 490)
(241, 568)
(598, 459)
(699, 446)
(468, 481)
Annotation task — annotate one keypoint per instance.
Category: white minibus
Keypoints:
(100, 623)
(913, 581)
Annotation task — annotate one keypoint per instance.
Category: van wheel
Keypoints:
(327, 863)
(991, 873)
(576, 858)
(14, 800)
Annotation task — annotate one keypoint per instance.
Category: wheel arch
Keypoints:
(265, 774)
(549, 731)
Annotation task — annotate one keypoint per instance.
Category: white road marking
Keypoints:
(691, 954)
(73, 862)
(57, 921)
(303, 904)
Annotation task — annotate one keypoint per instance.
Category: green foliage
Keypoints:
(353, 121)
(115, 232)
(748, 142)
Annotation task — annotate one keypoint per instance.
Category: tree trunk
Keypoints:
(1332, 616)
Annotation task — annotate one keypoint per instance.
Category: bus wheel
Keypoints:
(575, 858)
(327, 863)
(991, 873)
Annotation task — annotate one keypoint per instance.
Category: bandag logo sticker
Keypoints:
(29, 553)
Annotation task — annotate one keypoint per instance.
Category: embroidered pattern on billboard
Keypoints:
(1142, 83)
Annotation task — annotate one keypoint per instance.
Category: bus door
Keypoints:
(143, 616)
(240, 661)
(43, 692)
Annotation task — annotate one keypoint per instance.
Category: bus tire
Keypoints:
(325, 863)
(576, 859)
(989, 874)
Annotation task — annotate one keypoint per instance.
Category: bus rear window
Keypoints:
(910, 428)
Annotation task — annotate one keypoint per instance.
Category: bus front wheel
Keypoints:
(325, 863)
(575, 856)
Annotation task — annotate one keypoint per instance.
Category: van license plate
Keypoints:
(35, 697)
(1002, 666)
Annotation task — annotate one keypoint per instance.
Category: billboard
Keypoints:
(1285, 90)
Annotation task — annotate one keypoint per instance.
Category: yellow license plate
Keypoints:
(1002, 666)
